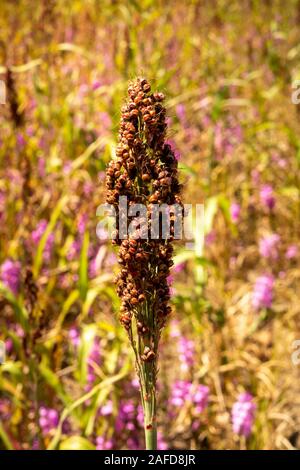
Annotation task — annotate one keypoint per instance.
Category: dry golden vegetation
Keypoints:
(227, 70)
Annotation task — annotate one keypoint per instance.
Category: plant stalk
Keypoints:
(150, 423)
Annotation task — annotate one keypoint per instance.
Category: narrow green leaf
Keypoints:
(52, 380)
(83, 267)
(5, 438)
(86, 344)
(71, 299)
(19, 309)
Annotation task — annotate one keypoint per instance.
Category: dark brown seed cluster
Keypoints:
(145, 170)
(12, 98)
(31, 291)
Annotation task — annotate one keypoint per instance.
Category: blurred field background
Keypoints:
(227, 70)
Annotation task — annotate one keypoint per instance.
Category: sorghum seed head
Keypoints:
(145, 170)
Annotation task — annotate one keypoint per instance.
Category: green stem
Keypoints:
(150, 424)
(147, 373)
(5, 438)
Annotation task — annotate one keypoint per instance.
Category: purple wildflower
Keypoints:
(242, 414)
(262, 296)
(93, 268)
(186, 353)
(74, 337)
(201, 397)
(140, 416)
(20, 140)
(133, 443)
(107, 409)
(9, 345)
(235, 210)
(267, 196)
(184, 391)
(161, 444)
(291, 252)
(126, 416)
(93, 359)
(96, 84)
(181, 114)
(74, 250)
(179, 268)
(268, 246)
(104, 444)
(81, 224)
(36, 236)
(135, 383)
(210, 238)
(10, 274)
(48, 419)
(88, 188)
